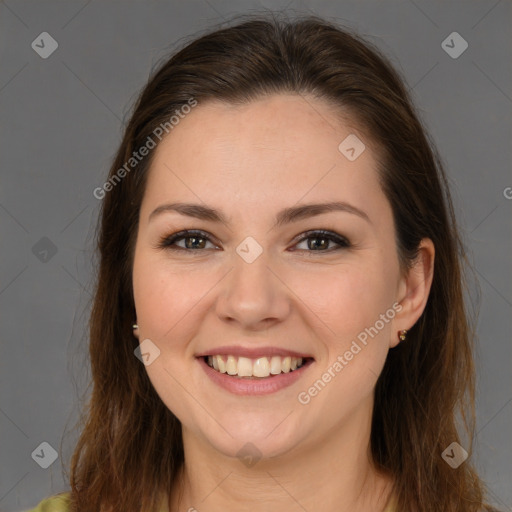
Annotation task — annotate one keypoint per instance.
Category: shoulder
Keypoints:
(57, 503)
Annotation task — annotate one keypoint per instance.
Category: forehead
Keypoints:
(279, 149)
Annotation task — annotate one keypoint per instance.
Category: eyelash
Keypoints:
(169, 242)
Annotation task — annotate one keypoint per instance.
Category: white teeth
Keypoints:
(231, 366)
(275, 365)
(244, 367)
(220, 363)
(261, 367)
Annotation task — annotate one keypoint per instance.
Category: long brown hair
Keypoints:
(130, 450)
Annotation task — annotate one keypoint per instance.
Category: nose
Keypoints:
(253, 295)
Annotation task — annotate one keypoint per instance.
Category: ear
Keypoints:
(136, 330)
(414, 289)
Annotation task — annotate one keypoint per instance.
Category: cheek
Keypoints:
(163, 293)
(345, 299)
(350, 301)
(166, 300)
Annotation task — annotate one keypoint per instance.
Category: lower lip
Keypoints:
(257, 386)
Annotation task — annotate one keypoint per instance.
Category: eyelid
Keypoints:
(167, 242)
(330, 235)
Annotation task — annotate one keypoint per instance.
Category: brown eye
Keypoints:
(193, 240)
(319, 241)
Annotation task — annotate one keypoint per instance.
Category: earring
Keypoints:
(135, 326)
(402, 334)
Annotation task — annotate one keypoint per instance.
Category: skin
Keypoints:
(250, 162)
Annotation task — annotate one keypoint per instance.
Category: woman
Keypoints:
(269, 330)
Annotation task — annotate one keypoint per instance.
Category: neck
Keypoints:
(333, 473)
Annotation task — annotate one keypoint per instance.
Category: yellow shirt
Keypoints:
(60, 503)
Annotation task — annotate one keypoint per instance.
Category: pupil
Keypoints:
(316, 245)
(190, 244)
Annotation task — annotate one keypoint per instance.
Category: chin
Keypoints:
(260, 436)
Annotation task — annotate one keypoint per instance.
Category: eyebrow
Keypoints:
(285, 216)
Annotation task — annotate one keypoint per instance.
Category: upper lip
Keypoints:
(252, 353)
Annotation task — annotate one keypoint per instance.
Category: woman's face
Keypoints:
(254, 287)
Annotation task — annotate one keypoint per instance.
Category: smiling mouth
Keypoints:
(259, 368)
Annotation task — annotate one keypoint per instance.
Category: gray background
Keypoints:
(62, 120)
